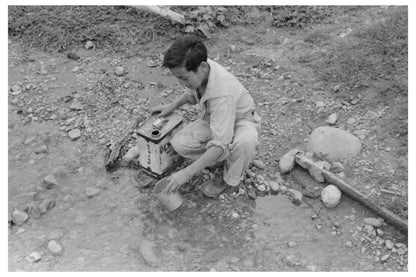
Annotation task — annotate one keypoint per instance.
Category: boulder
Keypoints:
(287, 162)
(333, 143)
(331, 196)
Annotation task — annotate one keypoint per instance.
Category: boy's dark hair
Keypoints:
(187, 50)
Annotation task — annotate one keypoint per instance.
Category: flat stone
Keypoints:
(331, 196)
(55, 247)
(287, 161)
(50, 181)
(74, 134)
(19, 217)
(91, 192)
(333, 143)
(375, 222)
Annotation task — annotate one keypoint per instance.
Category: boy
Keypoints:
(228, 129)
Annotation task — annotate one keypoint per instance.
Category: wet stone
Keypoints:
(19, 217)
(55, 247)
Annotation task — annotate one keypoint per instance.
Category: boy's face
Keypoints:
(190, 79)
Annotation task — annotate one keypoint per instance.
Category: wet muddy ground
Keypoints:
(101, 218)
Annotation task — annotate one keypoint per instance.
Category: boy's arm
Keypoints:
(182, 100)
(179, 178)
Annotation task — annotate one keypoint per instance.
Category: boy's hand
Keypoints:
(161, 110)
(176, 180)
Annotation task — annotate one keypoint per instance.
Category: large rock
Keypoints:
(333, 143)
(331, 196)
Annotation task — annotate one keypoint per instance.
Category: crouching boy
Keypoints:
(227, 131)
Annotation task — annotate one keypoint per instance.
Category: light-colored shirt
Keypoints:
(224, 102)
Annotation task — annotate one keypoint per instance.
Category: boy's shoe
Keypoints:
(213, 189)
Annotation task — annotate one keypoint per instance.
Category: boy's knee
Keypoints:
(177, 144)
(246, 145)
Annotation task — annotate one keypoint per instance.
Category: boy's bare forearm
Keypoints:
(207, 159)
(182, 100)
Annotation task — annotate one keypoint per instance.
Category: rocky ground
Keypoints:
(66, 213)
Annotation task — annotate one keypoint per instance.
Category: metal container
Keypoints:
(156, 153)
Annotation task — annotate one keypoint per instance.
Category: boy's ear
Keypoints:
(204, 65)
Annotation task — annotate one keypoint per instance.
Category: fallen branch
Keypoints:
(331, 178)
(164, 12)
(117, 149)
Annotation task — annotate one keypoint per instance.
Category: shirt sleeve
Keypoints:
(222, 112)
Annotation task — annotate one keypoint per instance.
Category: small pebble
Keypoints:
(375, 222)
(348, 244)
(292, 244)
(50, 181)
(19, 217)
(89, 45)
(55, 247)
(259, 164)
(389, 244)
(34, 257)
(385, 257)
(91, 192)
(235, 215)
(120, 71)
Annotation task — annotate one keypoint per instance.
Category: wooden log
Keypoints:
(164, 12)
(331, 178)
